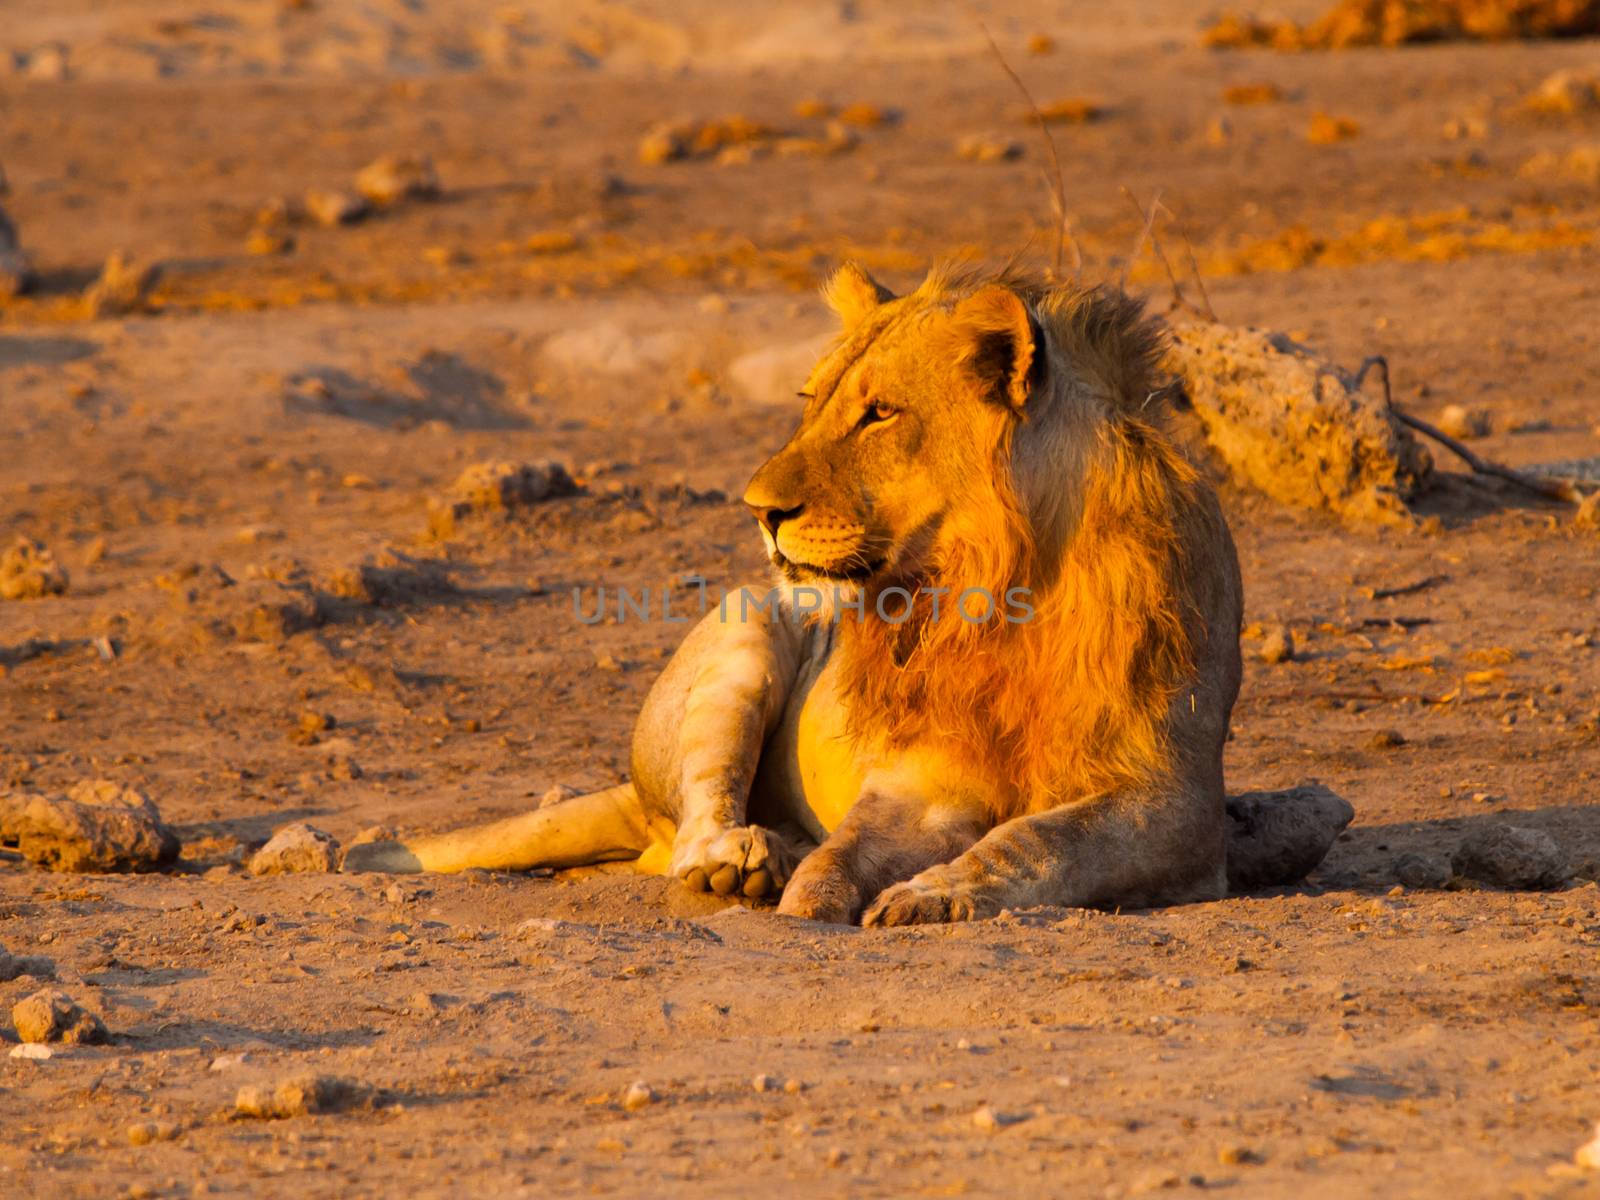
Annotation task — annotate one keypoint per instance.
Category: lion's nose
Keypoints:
(771, 517)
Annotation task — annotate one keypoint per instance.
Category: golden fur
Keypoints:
(1073, 702)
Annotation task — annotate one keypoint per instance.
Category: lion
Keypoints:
(1007, 648)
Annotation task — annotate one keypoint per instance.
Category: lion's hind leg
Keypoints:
(604, 826)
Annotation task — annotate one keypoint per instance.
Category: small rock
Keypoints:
(1278, 838)
(344, 769)
(1326, 129)
(29, 571)
(296, 848)
(988, 147)
(335, 208)
(1463, 423)
(121, 288)
(985, 1119)
(32, 1050)
(1565, 93)
(52, 1016)
(425, 1004)
(16, 271)
(98, 826)
(264, 243)
(1231, 1154)
(638, 1095)
(142, 1133)
(1386, 739)
(765, 1083)
(396, 177)
(1588, 514)
(1588, 1154)
(1156, 1180)
(47, 62)
(792, 1087)
(559, 794)
(1427, 871)
(302, 1094)
(663, 143)
(1511, 856)
(1277, 645)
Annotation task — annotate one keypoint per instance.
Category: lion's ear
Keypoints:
(852, 293)
(1001, 342)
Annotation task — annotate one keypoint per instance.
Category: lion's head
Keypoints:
(971, 399)
(988, 433)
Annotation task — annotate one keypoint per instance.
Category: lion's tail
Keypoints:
(1278, 838)
(604, 826)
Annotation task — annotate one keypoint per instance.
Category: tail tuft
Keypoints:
(1278, 838)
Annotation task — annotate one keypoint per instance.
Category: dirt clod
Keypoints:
(988, 147)
(391, 579)
(54, 1016)
(335, 208)
(558, 794)
(1565, 93)
(1277, 645)
(16, 271)
(301, 1095)
(142, 1133)
(1588, 1154)
(1278, 838)
(637, 1095)
(1511, 856)
(122, 287)
(28, 570)
(396, 177)
(98, 826)
(296, 848)
(1294, 426)
(1462, 422)
(1588, 515)
(499, 487)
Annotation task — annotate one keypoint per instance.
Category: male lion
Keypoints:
(991, 444)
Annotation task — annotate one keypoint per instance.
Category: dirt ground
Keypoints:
(268, 422)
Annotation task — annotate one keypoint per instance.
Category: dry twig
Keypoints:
(1058, 190)
(1565, 490)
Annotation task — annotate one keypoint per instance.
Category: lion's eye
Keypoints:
(878, 411)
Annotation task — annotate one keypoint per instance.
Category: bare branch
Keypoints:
(1058, 190)
(1194, 267)
(1540, 485)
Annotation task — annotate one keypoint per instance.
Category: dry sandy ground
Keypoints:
(286, 417)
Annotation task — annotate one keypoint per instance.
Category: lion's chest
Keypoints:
(810, 769)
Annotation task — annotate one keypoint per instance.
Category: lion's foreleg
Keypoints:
(1152, 847)
(881, 841)
(735, 698)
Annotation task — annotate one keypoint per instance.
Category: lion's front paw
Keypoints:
(820, 891)
(925, 901)
(748, 860)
